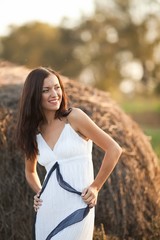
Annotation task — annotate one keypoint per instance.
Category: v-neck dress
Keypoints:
(60, 206)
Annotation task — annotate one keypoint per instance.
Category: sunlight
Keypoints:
(48, 11)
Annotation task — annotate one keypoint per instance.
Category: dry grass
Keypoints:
(129, 203)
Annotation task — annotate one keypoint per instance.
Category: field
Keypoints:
(146, 112)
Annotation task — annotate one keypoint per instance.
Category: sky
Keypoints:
(18, 12)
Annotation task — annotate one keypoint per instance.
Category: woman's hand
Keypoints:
(89, 195)
(37, 202)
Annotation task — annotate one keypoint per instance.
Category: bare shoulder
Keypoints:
(79, 120)
(77, 117)
(76, 113)
(87, 128)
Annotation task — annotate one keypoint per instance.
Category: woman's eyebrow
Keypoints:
(45, 87)
(56, 84)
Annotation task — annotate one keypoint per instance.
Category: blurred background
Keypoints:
(112, 45)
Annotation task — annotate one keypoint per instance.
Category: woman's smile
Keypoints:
(51, 94)
(53, 101)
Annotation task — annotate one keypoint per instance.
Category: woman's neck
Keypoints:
(49, 117)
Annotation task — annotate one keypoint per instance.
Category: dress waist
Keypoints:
(81, 159)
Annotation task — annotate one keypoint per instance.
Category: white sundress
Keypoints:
(71, 159)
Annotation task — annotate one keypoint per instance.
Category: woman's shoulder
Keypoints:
(77, 118)
(75, 113)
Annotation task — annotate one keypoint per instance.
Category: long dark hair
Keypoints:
(30, 110)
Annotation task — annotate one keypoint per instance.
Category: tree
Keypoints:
(117, 43)
(115, 36)
(36, 44)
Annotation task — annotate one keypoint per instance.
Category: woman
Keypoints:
(60, 139)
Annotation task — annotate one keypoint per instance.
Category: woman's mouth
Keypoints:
(53, 101)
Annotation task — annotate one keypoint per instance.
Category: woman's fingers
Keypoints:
(91, 205)
(37, 202)
(89, 195)
(84, 192)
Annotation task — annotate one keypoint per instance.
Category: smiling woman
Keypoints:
(51, 93)
(60, 139)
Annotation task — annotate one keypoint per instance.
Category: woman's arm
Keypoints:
(32, 176)
(86, 127)
(33, 181)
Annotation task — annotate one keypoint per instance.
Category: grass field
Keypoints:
(155, 138)
(141, 104)
(146, 111)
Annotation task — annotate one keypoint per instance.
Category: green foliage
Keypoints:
(146, 111)
(141, 105)
(157, 89)
(99, 46)
(38, 44)
(155, 139)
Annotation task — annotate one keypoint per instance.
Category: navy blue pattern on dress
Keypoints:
(74, 217)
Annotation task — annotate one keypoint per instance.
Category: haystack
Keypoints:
(129, 202)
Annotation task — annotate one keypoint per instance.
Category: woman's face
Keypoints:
(51, 94)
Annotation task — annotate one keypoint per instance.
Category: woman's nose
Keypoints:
(53, 92)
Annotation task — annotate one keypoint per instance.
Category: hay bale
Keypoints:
(130, 199)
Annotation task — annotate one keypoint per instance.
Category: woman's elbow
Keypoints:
(114, 152)
(118, 151)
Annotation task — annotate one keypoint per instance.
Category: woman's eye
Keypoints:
(44, 90)
(57, 87)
